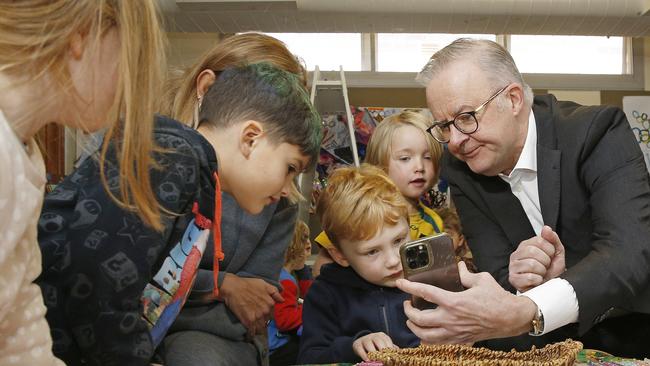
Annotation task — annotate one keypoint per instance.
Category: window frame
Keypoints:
(633, 58)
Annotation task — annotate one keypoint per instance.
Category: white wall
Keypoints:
(186, 48)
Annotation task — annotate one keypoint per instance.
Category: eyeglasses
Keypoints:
(465, 122)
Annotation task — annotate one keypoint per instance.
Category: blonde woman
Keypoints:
(77, 63)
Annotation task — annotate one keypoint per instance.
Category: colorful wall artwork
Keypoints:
(637, 110)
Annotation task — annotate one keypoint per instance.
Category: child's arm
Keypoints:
(288, 314)
(305, 279)
(322, 339)
(249, 288)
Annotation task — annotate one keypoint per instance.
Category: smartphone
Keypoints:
(431, 260)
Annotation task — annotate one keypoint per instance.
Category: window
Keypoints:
(409, 52)
(328, 51)
(548, 62)
(569, 54)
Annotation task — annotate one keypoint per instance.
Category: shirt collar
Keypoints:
(528, 158)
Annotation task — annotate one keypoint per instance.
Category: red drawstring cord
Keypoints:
(216, 234)
(204, 224)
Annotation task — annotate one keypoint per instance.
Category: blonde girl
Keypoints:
(409, 155)
(82, 64)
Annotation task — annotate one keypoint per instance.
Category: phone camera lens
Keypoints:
(423, 259)
(413, 264)
(411, 252)
(417, 257)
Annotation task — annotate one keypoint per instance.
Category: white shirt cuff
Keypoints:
(557, 301)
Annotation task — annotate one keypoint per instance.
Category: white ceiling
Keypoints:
(570, 17)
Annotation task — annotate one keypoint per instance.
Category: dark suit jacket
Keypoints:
(594, 191)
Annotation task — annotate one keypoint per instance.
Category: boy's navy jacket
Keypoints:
(341, 307)
(98, 258)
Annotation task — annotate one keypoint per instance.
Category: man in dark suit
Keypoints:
(554, 200)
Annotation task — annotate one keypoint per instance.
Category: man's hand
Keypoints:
(484, 311)
(370, 343)
(536, 260)
(250, 299)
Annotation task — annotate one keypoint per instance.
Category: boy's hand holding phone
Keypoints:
(370, 343)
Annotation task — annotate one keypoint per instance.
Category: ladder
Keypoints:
(330, 97)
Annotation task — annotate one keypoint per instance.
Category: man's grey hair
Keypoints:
(494, 60)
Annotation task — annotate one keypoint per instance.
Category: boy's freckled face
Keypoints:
(267, 174)
(377, 259)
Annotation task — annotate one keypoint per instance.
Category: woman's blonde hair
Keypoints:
(237, 50)
(358, 202)
(34, 41)
(298, 242)
(378, 150)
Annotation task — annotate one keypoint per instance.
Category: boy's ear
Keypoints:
(338, 257)
(251, 133)
(203, 82)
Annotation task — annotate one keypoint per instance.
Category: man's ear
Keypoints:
(77, 44)
(338, 257)
(516, 98)
(250, 135)
(203, 82)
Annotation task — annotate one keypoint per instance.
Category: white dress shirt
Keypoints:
(555, 298)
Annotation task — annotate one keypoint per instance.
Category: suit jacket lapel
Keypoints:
(506, 208)
(548, 165)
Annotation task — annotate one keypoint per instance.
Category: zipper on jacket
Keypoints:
(384, 315)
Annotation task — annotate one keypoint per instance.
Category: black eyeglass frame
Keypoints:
(445, 124)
